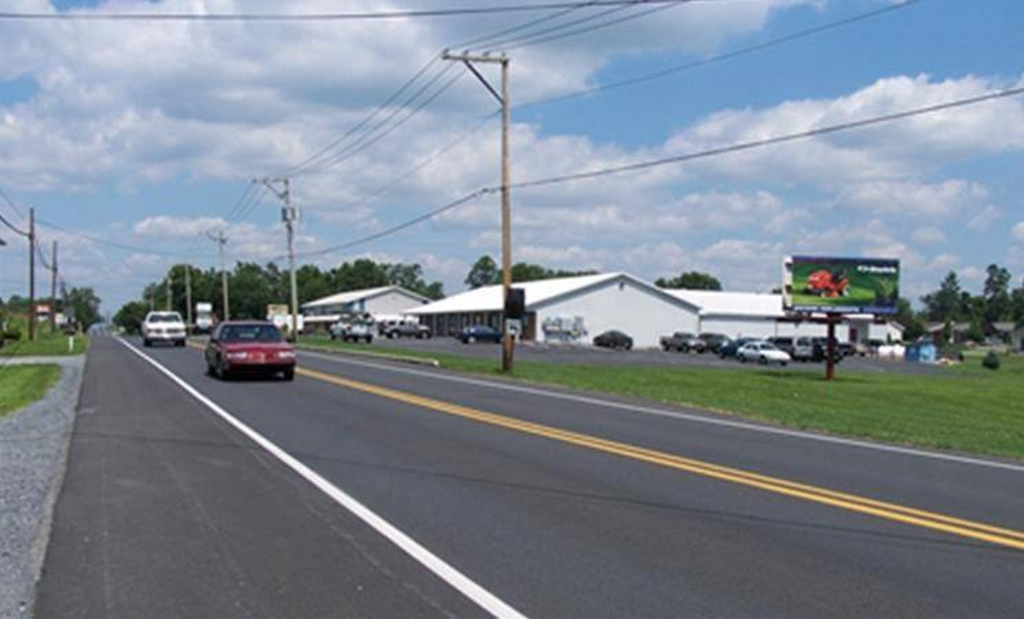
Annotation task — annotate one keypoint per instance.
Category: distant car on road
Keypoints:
(682, 341)
(762, 352)
(616, 340)
(163, 327)
(729, 349)
(479, 333)
(249, 347)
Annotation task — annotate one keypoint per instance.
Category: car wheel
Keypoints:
(783, 363)
(288, 374)
(220, 372)
(369, 338)
(146, 343)
(209, 369)
(763, 360)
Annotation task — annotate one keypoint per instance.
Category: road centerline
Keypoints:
(885, 510)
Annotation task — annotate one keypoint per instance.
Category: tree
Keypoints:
(691, 280)
(911, 321)
(945, 304)
(484, 272)
(131, 315)
(85, 305)
(998, 304)
(359, 274)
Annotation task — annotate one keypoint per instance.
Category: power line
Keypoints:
(116, 245)
(293, 17)
(799, 34)
(708, 153)
(12, 204)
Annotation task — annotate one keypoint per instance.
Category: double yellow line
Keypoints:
(881, 509)
(889, 511)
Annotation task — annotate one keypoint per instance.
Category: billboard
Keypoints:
(831, 285)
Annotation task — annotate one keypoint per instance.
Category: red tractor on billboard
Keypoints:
(828, 284)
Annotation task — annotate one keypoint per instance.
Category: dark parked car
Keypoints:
(479, 333)
(616, 340)
(714, 341)
(783, 343)
(249, 347)
(682, 341)
(729, 349)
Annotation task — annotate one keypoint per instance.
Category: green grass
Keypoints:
(21, 385)
(45, 344)
(964, 408)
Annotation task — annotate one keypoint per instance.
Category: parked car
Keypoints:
(783, 343)
(682, 341)
(846, 349)
(361, 330)
(249, 347)
(395, 328)
(762, 352)
(163, 327)
(479, 333)
(821, 349)
(339, 330)
(803, 349)
(714, 341)
(616, 340)
(729, 349)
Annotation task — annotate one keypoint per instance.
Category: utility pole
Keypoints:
(507, 341)
(221, 240)
(167, 284)
(53, 288)
(289, 215)
(188, 299)
(31, 274)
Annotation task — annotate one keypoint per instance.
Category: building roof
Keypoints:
(489, 298)
(344, 298)
(715, 303)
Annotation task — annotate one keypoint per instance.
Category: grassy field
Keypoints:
(968, 409)
(45, 345)
(20, 385)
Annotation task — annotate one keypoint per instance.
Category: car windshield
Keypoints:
(251, 333)
(165, 317)
(768, 346)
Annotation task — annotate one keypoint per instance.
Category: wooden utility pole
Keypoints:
(31, 274)
(170, 294)
(289, 215)
(507, 341)
(188, 299)
(53, 288)
(221, 240)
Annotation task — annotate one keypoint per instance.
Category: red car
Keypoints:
(249, 347)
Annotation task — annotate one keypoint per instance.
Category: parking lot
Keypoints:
(588, 355)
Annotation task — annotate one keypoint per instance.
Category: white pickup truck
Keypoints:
(163, 327)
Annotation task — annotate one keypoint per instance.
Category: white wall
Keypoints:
(636, 311)
(393, 302)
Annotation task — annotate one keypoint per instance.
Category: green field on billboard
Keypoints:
(846, 285)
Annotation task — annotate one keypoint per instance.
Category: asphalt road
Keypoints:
(168, 510)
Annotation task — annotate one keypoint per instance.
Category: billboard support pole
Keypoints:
(830, 351)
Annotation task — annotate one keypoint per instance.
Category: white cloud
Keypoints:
(983, 219)
(1018, 231)
(928, 235)
(913, 198)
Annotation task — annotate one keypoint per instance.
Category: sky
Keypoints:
(146, 135)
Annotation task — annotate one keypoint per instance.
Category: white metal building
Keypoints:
(571, 309)
(382, 301)
(746, 314)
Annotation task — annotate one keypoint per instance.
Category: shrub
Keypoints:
(12, 334)
(991, 360)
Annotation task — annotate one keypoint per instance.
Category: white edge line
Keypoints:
(340, 358)
(483, 598)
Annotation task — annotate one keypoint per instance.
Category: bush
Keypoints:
(12, 334)
(991, 360)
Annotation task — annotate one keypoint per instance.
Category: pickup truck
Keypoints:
(682, 342)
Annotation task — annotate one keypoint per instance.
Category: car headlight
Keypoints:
(238, 355)
(286, 354)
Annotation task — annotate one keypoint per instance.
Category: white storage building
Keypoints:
(571, 309)
(382, 301)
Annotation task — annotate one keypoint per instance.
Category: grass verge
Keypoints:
(45, 345)
(21, 385)
(967, 409)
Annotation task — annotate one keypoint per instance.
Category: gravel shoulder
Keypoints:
(33, 453)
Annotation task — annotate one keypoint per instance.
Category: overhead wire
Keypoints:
(114, 244)
(681, 158)
(323, 16)
(14, 205)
